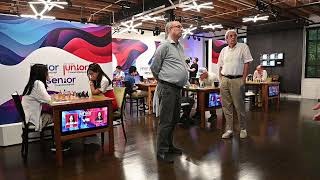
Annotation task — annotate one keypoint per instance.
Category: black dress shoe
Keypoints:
(175, 150)
(164, 157)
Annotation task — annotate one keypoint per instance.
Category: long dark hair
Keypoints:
(97, 69)
(37, 72)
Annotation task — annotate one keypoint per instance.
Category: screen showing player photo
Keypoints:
(84, 119)
(214, 100)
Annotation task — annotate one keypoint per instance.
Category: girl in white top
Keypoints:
(100, 82)
(34, 95)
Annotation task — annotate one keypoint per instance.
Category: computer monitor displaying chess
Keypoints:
(83, 119)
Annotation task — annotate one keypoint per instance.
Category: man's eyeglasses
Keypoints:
(178, 26)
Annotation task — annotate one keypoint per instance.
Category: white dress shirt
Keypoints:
(261, 77)
(209, 81)
(232, 60)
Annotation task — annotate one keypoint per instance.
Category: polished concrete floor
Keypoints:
(281, 145)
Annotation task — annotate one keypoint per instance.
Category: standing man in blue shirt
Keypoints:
(170, 69)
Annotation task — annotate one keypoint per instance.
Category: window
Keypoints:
(312, 67)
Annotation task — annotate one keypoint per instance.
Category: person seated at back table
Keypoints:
(260, 74)
(132, 89)
(207, 79)
(118, 74)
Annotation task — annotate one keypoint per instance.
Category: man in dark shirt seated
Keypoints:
(132, 89)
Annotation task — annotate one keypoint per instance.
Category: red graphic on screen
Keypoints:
(72, 120)
(217, 46)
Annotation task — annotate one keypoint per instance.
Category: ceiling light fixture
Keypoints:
(149, 18)
(188, 31)
(195, 6)
(116, 29)
(255, 18)
(129, 26)
(212, 26)
(48, 5)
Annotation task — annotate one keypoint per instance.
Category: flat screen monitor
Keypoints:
(273, 91)
(273, 56)
(83, 119)
(214, 100)
(264, 63)
(268, 63)
(280, 56)
(137, 79)
(265, 56)
(272, 63)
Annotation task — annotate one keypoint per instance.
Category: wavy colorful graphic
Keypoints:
(157, 43)
(217, 46)
(21, 36)
(127, 51)
(9, 113)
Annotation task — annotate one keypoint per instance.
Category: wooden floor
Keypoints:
(282, 145)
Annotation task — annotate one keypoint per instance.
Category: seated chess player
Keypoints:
(260, 74)
(207, 79)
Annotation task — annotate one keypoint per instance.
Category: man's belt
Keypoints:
(232, 76)
(170, 84)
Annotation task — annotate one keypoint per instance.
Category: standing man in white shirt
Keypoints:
(233, 63)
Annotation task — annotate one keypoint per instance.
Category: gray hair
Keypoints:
(168, 26)
(228, 31)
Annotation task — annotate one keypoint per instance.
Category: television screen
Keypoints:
(272, 63)
(280, 55)
(214, 100)
(268, 63)
(264, 63)
(84, 119)
(273, 91)
(273, 56)
(265, 56)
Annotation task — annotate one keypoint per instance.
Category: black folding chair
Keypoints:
(28, 127)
